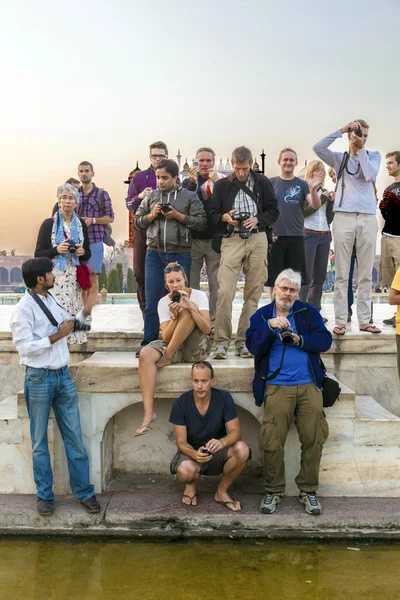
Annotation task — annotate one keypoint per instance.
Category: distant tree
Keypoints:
(130, 282)
(13, 252)
(113, 282)
(120, 276)
(3, 252)
(103, 277)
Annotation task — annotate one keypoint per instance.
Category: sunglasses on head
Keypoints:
(176, 267)
(206, 364)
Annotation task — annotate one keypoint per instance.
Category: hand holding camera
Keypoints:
(63, 247)
(287, 336)
(155, 212)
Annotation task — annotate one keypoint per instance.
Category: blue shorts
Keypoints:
(96, 260)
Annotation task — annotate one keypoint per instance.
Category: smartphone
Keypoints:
(196, 163)
(205, 451)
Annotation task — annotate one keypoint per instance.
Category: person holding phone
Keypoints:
(208, 437)
(169, 215)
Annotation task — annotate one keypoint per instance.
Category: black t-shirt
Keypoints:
(202, 428)
(391, 209)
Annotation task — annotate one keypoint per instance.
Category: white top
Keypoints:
(197, 296)
(318, 221)
(31, 329)
(359, 189)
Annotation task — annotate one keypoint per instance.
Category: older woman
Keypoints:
(58, 237)
(317, 239)
(185, 328)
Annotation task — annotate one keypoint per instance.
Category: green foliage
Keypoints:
(120, 276)
(103, 277)
(130, 282)
(113, 282)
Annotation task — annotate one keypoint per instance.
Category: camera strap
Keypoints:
(246, 190)
(276, 372)
(44, 308)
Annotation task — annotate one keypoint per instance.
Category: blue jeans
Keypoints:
(155, 287)
(44, 389)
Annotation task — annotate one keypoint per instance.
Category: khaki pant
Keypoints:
(390, 258)
(202, 251)
(235, 253)
(283, 403)
(349, 229)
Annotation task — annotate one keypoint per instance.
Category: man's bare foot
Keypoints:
(146, 425)
(225, 499)
(189, 497)
(163, 362)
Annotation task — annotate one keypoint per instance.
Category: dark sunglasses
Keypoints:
(176, 267)
(206, 364)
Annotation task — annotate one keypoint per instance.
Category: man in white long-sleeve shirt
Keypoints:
(39, 326)
(355, 219)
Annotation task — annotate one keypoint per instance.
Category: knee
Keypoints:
(187, 470)
(241, 451)
(148, 356)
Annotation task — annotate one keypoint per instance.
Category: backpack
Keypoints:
(107, 239)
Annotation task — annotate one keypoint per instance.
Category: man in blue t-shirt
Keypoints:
(293, 195)
(208, 437)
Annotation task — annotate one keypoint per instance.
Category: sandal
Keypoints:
(191, 498)
(339, 329)
(147, 429)
(232, 502)
(371, 329)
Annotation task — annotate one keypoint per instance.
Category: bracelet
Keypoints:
(93, 221)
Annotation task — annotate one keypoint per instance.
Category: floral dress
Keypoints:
(69, 293)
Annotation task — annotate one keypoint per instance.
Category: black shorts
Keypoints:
(215, 466)
(286, 253)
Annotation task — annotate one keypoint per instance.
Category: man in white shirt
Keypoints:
(43, 349)
(355, 219)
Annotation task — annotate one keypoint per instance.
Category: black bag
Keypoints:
(107, 238)
(330, 389)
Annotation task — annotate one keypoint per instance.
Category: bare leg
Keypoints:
(91, 296)
(188, 472)
(182, 331)
(238, 455)
(147, 381)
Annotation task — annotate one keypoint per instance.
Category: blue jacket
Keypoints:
(315, 338)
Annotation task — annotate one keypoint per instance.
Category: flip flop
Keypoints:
(339, 330)
(232, 502)
(148, 430)
(191, 498)
(371, 329)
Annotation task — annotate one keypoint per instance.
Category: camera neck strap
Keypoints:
(276, 372)
(245, 189)
(44, 308)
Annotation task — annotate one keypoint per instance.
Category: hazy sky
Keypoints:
(99, 81)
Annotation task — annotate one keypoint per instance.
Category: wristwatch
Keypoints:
(93, 221)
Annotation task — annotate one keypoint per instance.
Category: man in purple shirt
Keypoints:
(141, 183)
(96, 209)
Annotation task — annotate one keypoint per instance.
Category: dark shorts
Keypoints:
(215, 466)
(286, 253)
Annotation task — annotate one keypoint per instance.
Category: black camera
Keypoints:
(166, 207)
(176, 296)
(358, 131)
(240, 217)
(81, 326)
(72, 247)
(287, 336)
(204, 450)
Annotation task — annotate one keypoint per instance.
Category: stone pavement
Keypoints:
(151, 509)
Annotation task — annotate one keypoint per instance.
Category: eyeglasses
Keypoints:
(158, 156)
(286, 289)
(176, 267)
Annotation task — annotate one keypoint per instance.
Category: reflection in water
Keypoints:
(197, 571)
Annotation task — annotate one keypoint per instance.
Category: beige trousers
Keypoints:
(349, 229)
(202, 251)
(390, 258)
(235, 253)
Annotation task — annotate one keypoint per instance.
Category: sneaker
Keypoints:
(45, 508)
(391, 321)
(311, 503)
(221, 352)
(243, 352)
(91, 505)
(269, 502)
(137, 353)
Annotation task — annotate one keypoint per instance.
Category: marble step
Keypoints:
(374, 425)
(10, 425)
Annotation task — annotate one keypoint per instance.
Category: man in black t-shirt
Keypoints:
(208, 437)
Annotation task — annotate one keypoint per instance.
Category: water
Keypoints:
(65, 570)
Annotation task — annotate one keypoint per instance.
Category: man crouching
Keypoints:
(208, 437)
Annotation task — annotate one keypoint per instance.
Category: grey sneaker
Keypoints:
(45, 508)
(311, 503)
(269, 502)
(243, 352)
(391, 321)
(221, 352)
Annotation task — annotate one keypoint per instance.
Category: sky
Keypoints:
(100, 81)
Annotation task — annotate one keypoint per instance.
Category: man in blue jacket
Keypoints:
(285, 338)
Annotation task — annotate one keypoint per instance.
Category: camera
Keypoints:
(358, 131)
(287, 336)
(166, 207)
(195, 163)
(240, 217)
(205, 451)
(72, 247)
(81, 325)
(176, 296)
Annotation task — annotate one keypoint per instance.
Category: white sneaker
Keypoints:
(311, 503)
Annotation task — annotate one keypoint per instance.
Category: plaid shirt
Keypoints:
(90, 207)
(243, 202)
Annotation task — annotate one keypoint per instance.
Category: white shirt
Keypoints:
(359, 189)
(318, 221)
(197, 296)
(31, 329)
